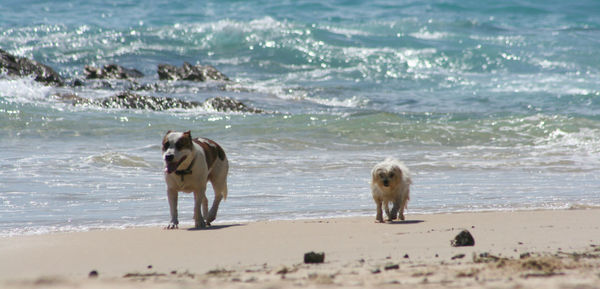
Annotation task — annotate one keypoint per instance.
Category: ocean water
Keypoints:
(493, 105)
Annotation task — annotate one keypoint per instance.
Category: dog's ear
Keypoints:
(168, 132)
(376, 172)
(398, 171)
(165, 141)
(188, 134)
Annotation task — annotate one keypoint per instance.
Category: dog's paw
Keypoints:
(380, 221)
(172, 226)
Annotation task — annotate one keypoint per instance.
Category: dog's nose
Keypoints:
(386, 183)
(169, 158)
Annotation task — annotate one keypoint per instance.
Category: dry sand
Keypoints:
(525, 249)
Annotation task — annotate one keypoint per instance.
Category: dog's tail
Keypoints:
(220, 189)
(224, 192)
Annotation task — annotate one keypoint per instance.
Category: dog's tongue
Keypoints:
(171, 167)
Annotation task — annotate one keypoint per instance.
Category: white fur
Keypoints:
(397, 192)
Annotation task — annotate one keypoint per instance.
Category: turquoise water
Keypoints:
(493, 105)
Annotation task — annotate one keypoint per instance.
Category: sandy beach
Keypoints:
(523, 249)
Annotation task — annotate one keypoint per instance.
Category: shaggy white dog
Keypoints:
(391, 183)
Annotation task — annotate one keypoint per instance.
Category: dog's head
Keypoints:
(389, 175)
(176, 148)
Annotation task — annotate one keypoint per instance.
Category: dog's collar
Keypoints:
(187, 171)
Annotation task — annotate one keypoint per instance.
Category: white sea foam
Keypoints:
(352, 102)
(428, 35)
(23, 90)
(118, 159)
(347, 32)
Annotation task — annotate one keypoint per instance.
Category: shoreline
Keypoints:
(187, 223)
(561, 246)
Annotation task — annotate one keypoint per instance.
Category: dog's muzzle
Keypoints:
(170, 164)
(386, 183)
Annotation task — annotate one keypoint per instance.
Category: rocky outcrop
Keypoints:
(136, 101)
(21, 67)
(190, 72)
(226, 104)
(111, 71)
(128, 100)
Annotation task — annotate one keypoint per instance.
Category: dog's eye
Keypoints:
(178, 146)
(165, 146)
(382, 175)
(391, 175)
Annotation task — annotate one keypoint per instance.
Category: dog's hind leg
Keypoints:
(220, 188)
(205, 208)
(199, 196)
(403, 204)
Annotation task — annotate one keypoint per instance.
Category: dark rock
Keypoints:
(76, 82)
(17, 66)
(93, 274)
(135, 101)
(391, 267)
(525, 255)
(313, 258)
(458, 256)
(226, 104)
(142, 276)
(111, 71)
(463, 238)
(167, 72)
(486, 257)
(210, 72)
(190, 72)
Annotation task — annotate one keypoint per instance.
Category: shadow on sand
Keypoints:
(405, 222)
(215, 227)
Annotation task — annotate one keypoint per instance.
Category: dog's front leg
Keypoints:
(199, 196)
(394, 213)
(172, 195)
(379, 217)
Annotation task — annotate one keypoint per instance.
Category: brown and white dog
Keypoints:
(390, 183)
(189, 165)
